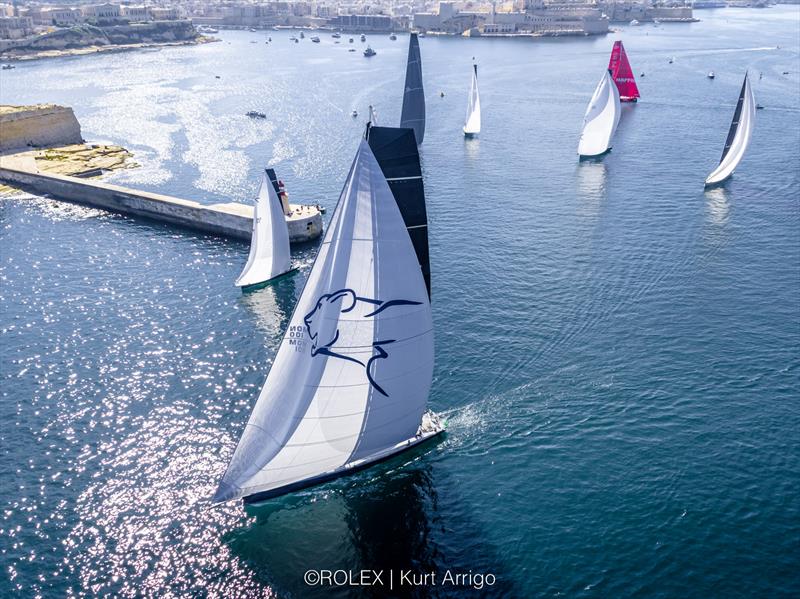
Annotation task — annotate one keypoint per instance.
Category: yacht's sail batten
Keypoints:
(360, 335)
(413, 112)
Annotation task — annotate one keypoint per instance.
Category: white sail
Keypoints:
(739, 135)
(472, 124)
(351, 377)
(269, 246)
(601, 119)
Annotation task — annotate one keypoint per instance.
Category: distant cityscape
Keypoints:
(25, 21)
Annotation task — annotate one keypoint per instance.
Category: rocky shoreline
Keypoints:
(90, 39)
(18, 55)
(47, 138)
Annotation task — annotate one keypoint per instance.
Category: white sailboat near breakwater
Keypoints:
(413, 112)
(601, 119)
(349, 384)
(269, 256)
(739, 134)
(472, 123)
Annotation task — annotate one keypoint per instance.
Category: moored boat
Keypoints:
(369, 52)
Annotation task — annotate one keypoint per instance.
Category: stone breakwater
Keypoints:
(41, 125)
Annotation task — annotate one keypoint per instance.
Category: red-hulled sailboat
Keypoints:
(622, 74)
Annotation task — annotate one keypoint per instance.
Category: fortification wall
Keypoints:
(38, 126)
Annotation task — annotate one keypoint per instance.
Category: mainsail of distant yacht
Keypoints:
(622, 73)
(269, 245)
(350, 381)
(413, 113)
(472, 124)
(738, 135)
(601, 119)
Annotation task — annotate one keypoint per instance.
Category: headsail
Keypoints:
(622, 73)
(739, 135)
(351, 377)
(413, 114)
(269, 245)
(601, 119)
(472, 124)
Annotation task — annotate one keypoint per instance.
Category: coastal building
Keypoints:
(13, 28)
(62, 17)
(362, 22)
(527, 18)
(102, 12)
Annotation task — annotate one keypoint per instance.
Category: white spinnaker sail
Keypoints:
(739, 135)
(472, 124)
(269, 245)
(601, 119)
(352, 374)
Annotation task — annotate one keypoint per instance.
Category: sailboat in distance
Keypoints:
(622, 73)
(349, 384)
(472, 124)
(739, 135)
(413, 113)
(269, 256)
(601, 119)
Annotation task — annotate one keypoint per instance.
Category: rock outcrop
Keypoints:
(106, 37)
(38, 126)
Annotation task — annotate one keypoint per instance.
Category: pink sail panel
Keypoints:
(622, 74)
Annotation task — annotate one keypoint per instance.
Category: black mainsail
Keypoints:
(395, 149)
(413, 114)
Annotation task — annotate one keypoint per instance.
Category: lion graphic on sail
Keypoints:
(346, 301)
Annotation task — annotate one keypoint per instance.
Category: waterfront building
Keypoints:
(102, 12)
(12, 28)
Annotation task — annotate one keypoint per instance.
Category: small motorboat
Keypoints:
(393, 37)
(217, 77)
(711, 75)
(336, 35)
(254, 114)
(350, 41)
(315, 39)
(671, 60)
(354, 114)
(269, 39)
(441, 94)
(369, 52)
(642, 74)
(363, 38)
(759, 107)
(296, 41)
(352, 50)
(634, 23)
(7, 67)
(302, 35)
